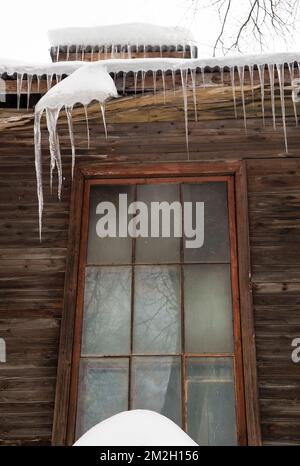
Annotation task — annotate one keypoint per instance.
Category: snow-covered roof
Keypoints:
(136, 428)
(11, 67)
(119, 34)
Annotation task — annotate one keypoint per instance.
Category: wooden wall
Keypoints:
(32, 273)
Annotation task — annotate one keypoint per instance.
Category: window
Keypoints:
(158, 323)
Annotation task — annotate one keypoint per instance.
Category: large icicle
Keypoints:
(185, 105)
(241, 72)
(272, 89)
(19, 88)
(261, 73)
(280, 73)
(88, 83)
(38, 165)
(292, 74)
(71, 134)
(232, 70)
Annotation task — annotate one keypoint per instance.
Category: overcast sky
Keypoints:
(24, 23)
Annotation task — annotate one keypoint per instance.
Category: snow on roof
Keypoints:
(87, 83)
(136, 428)
(119, 34)
(11, 67)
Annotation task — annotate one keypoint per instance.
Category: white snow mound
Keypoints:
(87, 83)
(136, 428)
(121, 34)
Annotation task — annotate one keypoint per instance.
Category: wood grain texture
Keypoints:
(143, 130)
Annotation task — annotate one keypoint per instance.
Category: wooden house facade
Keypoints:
(40, 281)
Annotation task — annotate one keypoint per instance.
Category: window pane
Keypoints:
(106, 319)
(102, 391)
(108, 250)
(211, 418)
(208, 308)
(156, 385)
(216, 232)
(159, 250)
(157, 310)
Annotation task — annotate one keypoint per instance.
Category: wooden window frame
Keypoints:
(85, 175)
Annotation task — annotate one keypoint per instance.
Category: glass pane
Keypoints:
(211, 418)
(107, 310)
(159, 250)
(156, 385)
(106, 251)
(157, 310)
(216, 232)
(102, 391)
(208, 308)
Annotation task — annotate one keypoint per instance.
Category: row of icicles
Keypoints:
(189, 84)
(116, 51)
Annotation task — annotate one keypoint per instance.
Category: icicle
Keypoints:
(193, 76)
(19, 88)
(92, 53)
(99, 53)
(135, 75)
(280, 73)
(241, 72)
(58, 78)
(154, 82)
(233, 89)
(29, 83)
(68, 52)
(291, 70)
(144, 50)
(87, 125)
(251, 74)
(124, 82)
(76, 52)
(160, 51)
(52, 116)
(38, 77)
(272, 89)
(71, 133)
(57, 53)
(38, 166)
(102, 106)
(261, 73)
(185, 104)
(164, 84)
(129, 51)
(173, 81)
(143, 81)
(49, 81)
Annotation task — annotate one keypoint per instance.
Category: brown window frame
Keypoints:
(248, 425)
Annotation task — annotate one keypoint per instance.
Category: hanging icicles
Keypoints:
(280, 73)
(232, 71)
(241, 72)
(185, 106)
(261, 73)
(272, 89)
(292, 74)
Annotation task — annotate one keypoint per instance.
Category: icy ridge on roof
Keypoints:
(138, 427)
(149, 64)
(121, 34)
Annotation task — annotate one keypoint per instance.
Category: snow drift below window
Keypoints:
(121, 34)
(136, 428)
